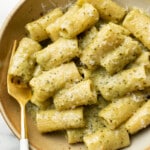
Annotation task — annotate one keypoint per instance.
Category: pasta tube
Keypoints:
(129, 80)
(117, 59)
(75, 135)
(140, 120)
(53, 120)
(86, 73)
(23, 63)
(53, 29)
(61, 51)
(120, 110)
(37, 71)
(42, 105)
(83, 19)
(138, 24)
(37, 28)
(79, 94)
(106, 139)
(96, 76)
(108, 9)
(46, 84)
(87, 38)
(92, 121)
(107, 39)
(143, 59)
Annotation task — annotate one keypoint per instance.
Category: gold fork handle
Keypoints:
(23, 141)
(23, 123)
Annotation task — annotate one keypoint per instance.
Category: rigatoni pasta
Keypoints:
(71, 98)
(53, 80)
(37, 71)
(61, 51)
(107, 39)
(121, 109)
(106, 139)
(143, 59)
(53, 29)
(86, 73)
(88, 37)
(53, 120)
(37, 28)
(138, 24)
(43, 105)
(83, 19)
(117, 59)
(75, 135)
(129, 80)
(23, 63)
(140, 120)
(98, 76)
(108, 9)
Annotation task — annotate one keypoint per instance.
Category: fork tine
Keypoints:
(11, 57)
(13, 51)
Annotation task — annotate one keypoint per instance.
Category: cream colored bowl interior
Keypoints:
(14, 29)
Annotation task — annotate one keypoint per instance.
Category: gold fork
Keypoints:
(22, 95)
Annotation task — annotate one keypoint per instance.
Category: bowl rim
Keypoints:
(9, 16)
(3, 28)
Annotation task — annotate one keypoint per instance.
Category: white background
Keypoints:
(7, 139)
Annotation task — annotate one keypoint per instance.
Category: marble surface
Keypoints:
(8, 141)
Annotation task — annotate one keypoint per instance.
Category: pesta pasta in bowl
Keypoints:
(88, 65)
